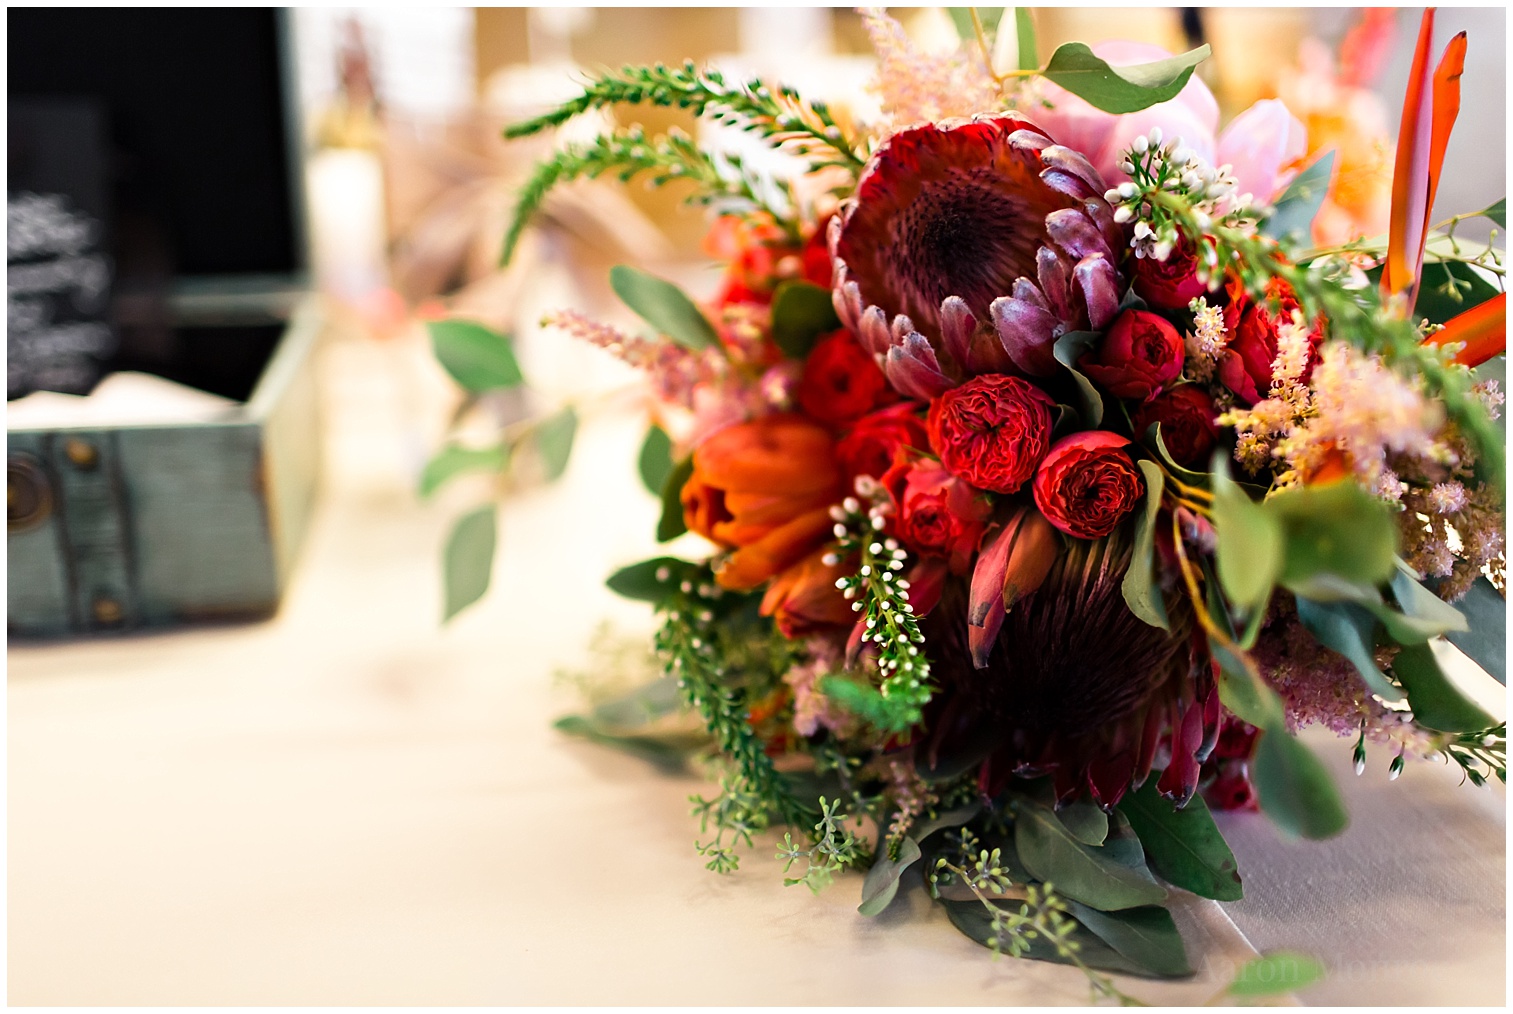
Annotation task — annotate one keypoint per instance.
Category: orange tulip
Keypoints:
(804, 599)
(763, 488)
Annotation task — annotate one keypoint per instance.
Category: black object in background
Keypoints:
(57, 273)
(202, 186)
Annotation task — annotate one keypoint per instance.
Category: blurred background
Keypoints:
(181, 180)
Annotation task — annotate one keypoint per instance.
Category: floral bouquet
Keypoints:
(1054, 477)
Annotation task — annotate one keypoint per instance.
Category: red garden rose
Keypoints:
(937, 513)
(873, 443)
(1141, 354)
(1087, 483)
(1170, 284)
(841, 381)
(1186, 415)
(992, 431)
(1245, 367)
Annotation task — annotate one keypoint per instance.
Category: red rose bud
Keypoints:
(1140, 354)
(873, 443)
(937, 514)
(992, 431)
(1170, 284)
(1186, 415)
(841, 382)
(1231, 789)
(1087, 483)
(1245, 367)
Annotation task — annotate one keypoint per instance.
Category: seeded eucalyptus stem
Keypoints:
(1042, 913)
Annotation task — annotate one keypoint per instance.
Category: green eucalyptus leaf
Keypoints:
(1497, 212)
(477, 357)
(1068, 349)
(669, 753)
(1024, 27)
(1121, 89)
(639, 706)
(1274, 973)
(1140, 590)
(1201, 480)
(1242, 690)
(881, 884)
(1294, 788)
(1052, 853)
(1184, 847)
(949, 819)
(1485, 641)
(1292, 219)
(671, 524)
(468, 560)
(453, 460)
(1146, 936)
(655, 460)
(1337, 529)
(1350, 630)
(1251, 547)
(664, 306)
(651, 580)
(1087, 823)
(1436, 702)
(554, 441)
(801, 313)
(975, 921)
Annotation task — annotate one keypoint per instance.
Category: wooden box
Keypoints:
(145, 526)
(187, 182)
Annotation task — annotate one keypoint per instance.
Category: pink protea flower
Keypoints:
(935, 253)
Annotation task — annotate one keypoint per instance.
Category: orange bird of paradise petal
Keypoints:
(1429, 111)
(1483, 329)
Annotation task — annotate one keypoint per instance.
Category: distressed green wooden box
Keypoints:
(149, 526)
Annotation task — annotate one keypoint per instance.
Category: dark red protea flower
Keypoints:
(1075, 686)
(935, 253)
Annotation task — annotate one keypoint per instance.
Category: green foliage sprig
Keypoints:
(882, 597)
(778, 114)
(754, 790)
(629, 153)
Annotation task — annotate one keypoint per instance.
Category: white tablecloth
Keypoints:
(349, 804)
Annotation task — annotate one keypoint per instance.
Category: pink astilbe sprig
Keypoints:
(676, 372)
(812, 710)
(916, 86)
(1321, 687)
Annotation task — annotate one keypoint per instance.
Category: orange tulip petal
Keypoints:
(1484, 329)
(774, 552)
(776, 455)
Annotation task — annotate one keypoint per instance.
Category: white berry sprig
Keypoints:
(881, 595)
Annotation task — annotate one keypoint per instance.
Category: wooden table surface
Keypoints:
(349, 804)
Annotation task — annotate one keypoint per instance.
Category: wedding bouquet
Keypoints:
(1054, 477)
